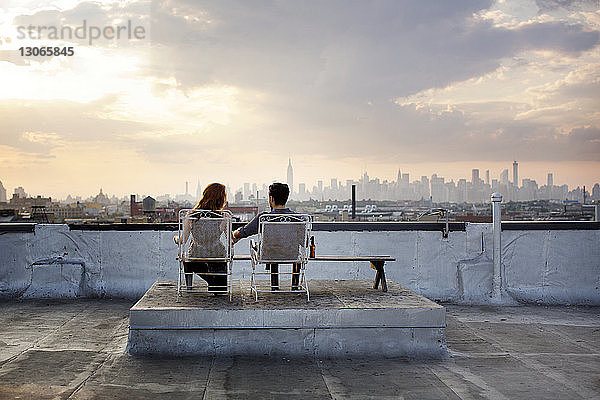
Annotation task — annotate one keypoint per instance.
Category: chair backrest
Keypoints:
(283, 237)
(206, 235)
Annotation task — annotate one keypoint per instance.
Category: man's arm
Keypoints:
(251, 228)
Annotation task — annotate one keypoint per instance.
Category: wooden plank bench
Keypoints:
(377, 263)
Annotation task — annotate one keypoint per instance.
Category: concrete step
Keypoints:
(343, 318)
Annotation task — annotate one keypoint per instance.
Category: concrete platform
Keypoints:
(343, 318)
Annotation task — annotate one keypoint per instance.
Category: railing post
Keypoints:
(597, 213)
(353, 201)
(497, 248)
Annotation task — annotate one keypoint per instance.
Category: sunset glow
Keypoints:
(227, 91)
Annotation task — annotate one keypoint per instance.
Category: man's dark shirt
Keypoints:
(251, 228)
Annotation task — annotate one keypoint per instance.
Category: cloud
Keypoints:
(14, 57)
(39, 127)
(551, 5)
(326, 73)
(489, 131)
(558, 36)
(329, 51)
(46, 127)
(320, 78)
(342, 50)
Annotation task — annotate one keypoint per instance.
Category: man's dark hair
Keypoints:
(280, 193)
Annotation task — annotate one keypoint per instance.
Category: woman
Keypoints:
(213, 198)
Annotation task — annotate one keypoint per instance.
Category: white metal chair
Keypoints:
(282, 239)
(205, 236)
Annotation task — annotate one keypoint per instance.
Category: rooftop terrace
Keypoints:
(61, 336)
(75, 349)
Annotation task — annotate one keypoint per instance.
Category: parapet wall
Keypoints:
(540, 264)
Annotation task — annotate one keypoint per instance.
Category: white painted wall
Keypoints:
(549, 267)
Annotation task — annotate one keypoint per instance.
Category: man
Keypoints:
(278, 196)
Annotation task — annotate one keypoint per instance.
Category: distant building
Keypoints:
(461, 191)
(148, 205)
(424, 187)
(101, 198)
(198, 191)
(135, 208)
(164, 198)
(438, 190)
(93, 209)
(238, 197)
(2, 193)
(302, 191)
(516, 174)
(28, 202)
(290, 176)
(166, 215)
(475, 176)
(186, 197)
(504, 177)
(529, 190)
(596, 192)
(65, 212)
(334, 184)
(20, 192)
(405, 180)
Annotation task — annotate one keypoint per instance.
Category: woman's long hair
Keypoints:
(213, 197)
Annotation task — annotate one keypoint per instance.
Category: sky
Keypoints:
(228, 90)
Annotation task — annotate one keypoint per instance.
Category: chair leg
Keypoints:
(254, 285)
(253, 282)
(307, 292)
(274, 276)
(295, 276)
(305, 281)
(189, 276)
(230, 280)
(179, 281)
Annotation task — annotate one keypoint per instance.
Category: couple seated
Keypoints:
(276, 241)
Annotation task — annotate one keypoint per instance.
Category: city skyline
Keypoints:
(193, 190)
(228, 91)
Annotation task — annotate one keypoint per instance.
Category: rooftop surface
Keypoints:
(76, 349)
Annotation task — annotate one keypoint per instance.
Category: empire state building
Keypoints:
(290, 176)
